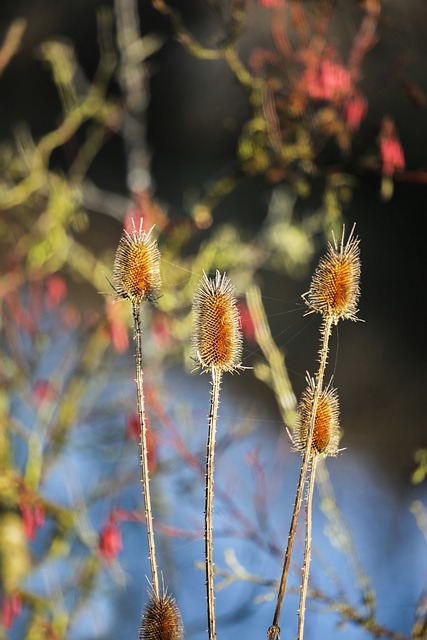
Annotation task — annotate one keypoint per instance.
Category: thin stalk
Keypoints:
(210, 460)
(274, 631)
(144, 454)
(307, 550)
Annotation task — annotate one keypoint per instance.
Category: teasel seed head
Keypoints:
(326, 434)
(217, 336)
(335, 290)
(161, 619)
(137, 266)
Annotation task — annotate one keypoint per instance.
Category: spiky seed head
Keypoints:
(161, 619)
(326, 434)
(335, 289)
(137, 266)
(217, 336)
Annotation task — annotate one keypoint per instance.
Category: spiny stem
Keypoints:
(144, 453)
(307, 550)
(274, 631)
(210, 460)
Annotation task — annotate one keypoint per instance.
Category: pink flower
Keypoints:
(56, 291)
(110, 540)
(248, 327)
(270, 4)
(11, 609)
(160, 329)
(117, 327)
(392, 156)
(33, 518)
(355, 111)
(329, 81)
(42, 391)
(335, 79)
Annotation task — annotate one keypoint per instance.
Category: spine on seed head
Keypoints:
(136, 268)
(335, 288)
(326, 432)
(161, 619)
(217, 336)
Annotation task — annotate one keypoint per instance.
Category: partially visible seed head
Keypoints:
(326, 433)
(137, 266)
(335, 290)
(161, 619)
(217, 337)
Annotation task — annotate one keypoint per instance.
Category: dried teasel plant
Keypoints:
(136, 274)
(161, 619)
(324, 442)
(334, 294)
(217, 341)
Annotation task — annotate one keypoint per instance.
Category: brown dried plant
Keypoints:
(137, 278)
(217, 340)
(334, 293)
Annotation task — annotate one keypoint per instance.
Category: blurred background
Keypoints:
(247, 133)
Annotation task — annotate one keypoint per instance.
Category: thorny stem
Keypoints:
(144, 454)
(274, 631)
(307, 550)
(210, 460)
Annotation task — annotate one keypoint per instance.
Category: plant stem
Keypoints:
(144, 454)
(307, 550)
(210, 460)
(274, 631)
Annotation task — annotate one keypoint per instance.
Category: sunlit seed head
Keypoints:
(161, 619)
(136, 268)
(335, 288)
(217, 336)
(326, 433)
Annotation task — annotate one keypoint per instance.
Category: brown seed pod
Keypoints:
(137, 266)
(161, 619)
(326, 434)
(334, 290)
(217, 337)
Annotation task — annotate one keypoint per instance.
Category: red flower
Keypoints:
(33, 517)
(160, 329)
(110, 540)
(335, 79)
(132, 427)
(117, 327)
(355, 111)
(392, 156)
(329, 81)
(42, 391)
(11, 608)
(133, 432)
(56, 291)
(271, 4)
(248, 327)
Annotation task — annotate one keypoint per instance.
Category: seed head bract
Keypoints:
(161, 619)
(136, 268)
(217, 336)
(326, 433)
(334, 291)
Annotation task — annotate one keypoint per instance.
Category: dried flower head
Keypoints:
(334, 290)
(217, 337)
(326, 432)
(161, 620)
(137, 266)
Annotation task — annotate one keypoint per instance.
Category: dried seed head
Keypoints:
(217, 337)
(334, 290)
(137, 266)
(161, 619)
(326, 432)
